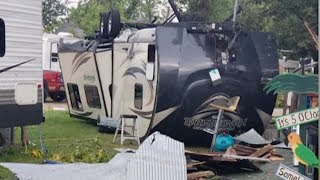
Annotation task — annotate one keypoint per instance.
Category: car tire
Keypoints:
(58, 97)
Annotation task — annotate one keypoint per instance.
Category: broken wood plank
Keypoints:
(195, 164)
(208, 156)
(241, 147)
(276, 157)
(262, 151)
(268, 155)
(247, 157)
(201, 174)
(211, 154)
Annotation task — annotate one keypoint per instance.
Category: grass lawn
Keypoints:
(6, 174)
(60, 132)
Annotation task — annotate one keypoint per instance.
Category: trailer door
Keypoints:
(104, 68)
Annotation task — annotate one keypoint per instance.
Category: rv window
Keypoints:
(75, 97)
(54, 52)
(151, 53)
(92, 96)
(138, 96)
(2, 38)
(151, 61)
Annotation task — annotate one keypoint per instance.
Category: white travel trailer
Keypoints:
(20, 63)
(50, 44)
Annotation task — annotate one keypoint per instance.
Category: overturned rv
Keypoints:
(161, 74)
(20, 63)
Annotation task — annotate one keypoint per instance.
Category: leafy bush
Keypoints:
(88, 151)
(280, 100)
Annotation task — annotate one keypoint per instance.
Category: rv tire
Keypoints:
(115, 23)
(110, 24)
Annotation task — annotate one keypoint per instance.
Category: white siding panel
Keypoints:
(23, 20)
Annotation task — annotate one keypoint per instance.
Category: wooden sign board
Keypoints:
(296, 118)
(285, 172)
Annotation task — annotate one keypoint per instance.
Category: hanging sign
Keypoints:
(215, 76)
(285, 172)
(296, 118)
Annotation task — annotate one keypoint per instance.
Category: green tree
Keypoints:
(285, 18)
(87, 14)
(52, 12)
(206, 10)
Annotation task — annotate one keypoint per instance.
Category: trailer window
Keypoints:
(92, 96)
(151, 61)
(2, 38)
(75, 97)
(138, 96)
(54, 52)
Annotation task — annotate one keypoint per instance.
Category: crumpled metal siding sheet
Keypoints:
(158, 158)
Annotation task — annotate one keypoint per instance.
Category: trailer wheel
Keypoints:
(110, 24)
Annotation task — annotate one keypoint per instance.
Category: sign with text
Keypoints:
(285, 172)
(296, 118)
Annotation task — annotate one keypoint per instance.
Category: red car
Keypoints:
(53, 85)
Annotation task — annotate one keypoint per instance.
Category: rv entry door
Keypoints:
(104, 68)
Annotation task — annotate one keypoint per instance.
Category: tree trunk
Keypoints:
(6, 137)
(203, 9)
(25, 136)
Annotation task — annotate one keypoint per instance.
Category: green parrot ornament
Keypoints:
(303, 154)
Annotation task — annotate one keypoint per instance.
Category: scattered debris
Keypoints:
(200, 174)
(238, 158)
(219, 163)
(252, 137)
(266, 152)
(158, 157)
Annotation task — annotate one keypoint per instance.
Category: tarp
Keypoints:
(115, 170)
(159, 157)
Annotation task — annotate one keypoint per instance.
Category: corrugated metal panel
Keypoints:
(23, 20)
(158, 158)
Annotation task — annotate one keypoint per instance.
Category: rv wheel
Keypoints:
(110, 24)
